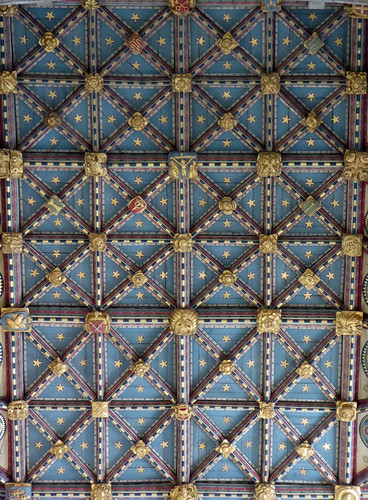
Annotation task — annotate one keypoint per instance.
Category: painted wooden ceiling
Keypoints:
(183, 369)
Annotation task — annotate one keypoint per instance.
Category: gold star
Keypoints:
(140, 339)
(227, 17)
(202, 202)
(137, 96)
(227, 223)
(109, 41)
(117, 363)
(37, 362)
(335, 203)
(57, 222)
(308, 254)
(312, 16)
(138, 223)
(226, 338)
(39, 445)
(226, 254)
(251, 276)
(227, 180)
(60, 421)
(227, 65)
(285, 203)
(139, 254)
(309, 182)
(226, 95)
(82, 362)
(251, 203)
(140, 470)
(141, 420)
(310, 142)
(305, 388)
(81, 275)
(284, 275)
(78, 118)
(162, 41)
(304, 421)
(114, 201)
(163, 201)
(227, 295)
(139, 295)
(140, 388)
(84, 445)
(80, 202)
(23, 39)
(56, 295)
(326, 446)
(226, 420)
(60, 336)
(282, 446)
(225, 468)
(60, 388)
(200, 41)
(164, 444)
(330, 276)
(136, 65)
(202, 446)
(286, 119)
(307, 295)
(226, 143)
(311, 96)
(303, 472)
(52, 94)
(56, 253)
(34, 273)
(27, 118)
(226, 388)
(61, 470)
(111, 119)
(309, 224)
(51, 65)
(50, 15)
(286, 41)
(202, 363)
(284, 363)
(251, 119)
(54, 141)
(137, 141)
(253, 41)
(338, 41)
(200, 119)
(306, 339)
(202, 275)
(76, 40)
(138, 180)
(335, 119)
(250, 363)
(164, 275)
(118, 445)
(248, 444)
(311, 66)
(163, 364)
(115, 274)
(135, 17)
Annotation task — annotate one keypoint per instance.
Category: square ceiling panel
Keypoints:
(184, 248)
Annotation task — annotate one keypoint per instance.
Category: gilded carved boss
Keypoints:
(95, 164)
(101, 491)
(17, 410)
(349, 323)
(137, 121)
(181, 7)
(268, 243)
(11, 164)
(227, 122)
(356, 165)
(52, 120)
(264, 491)
(184, 492)
(12, 242)
(59, 449)
(93, 83)
(227, 367)
(227, 205)
(184, 321)
(268, 320)
(138, 279)
(225, 448)
(97, 242)
(270, 84)
(352, 245)
(305, 370)
(308, 279)
(56, 277)
(140, 449)
(182, 82)
(8, 82)
(356, 83)
(100, 409)
(8, 10)
(347, 492)
(227, 44)
(266, 410)
(97, 322)
(140, 368)
(183, 412)
(48, 41)
(269, 164)
(311, 122)
(313, 43)
(346, 411)
(304, 450)
(58, 367)
(227, 278)
(183, 242)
